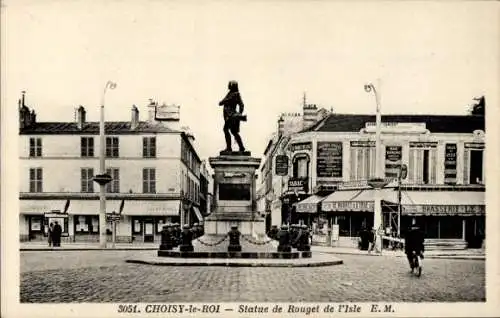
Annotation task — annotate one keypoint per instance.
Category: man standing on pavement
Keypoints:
(414, 242)
(56, 233)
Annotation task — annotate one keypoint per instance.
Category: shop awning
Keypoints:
(198, 213)
(442, 203)
(356, 200)
(130, 207)
(41, 206)
(309, 205)
(91, 207)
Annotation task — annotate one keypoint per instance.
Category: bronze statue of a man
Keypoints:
(232, 117)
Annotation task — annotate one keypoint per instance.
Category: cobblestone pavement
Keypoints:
(102, 276)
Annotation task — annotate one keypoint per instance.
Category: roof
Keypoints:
(434, 123)
(92, 128)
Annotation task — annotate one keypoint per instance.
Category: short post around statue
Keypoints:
(167, 239)
(186, 240)
(284, 240)
(234, 240)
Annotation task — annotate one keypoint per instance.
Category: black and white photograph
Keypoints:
(250, 158)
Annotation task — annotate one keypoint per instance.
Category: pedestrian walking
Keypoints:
(414, 246)
(56, 234)
(50, 233)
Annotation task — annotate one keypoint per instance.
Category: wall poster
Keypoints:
(329, 160)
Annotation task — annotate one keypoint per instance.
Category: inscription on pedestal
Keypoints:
(234, 192)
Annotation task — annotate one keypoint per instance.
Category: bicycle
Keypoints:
(416, 263)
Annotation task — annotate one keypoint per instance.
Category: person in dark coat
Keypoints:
(231, 116)
(50, 233)
(414, 242)
(56, 234)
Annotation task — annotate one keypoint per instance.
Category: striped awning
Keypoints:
(310, 204)
(356, 200)
(443, 203)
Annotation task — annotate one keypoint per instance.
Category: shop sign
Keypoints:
(281, 165)
(395, 127)
(307, 207)
(348, 206)
(393, 155)
(423, 144)
(450, 163)
(444, 209)
(329, 160)
(167, 112)
(474, 145)
(362, 144)
(335, 233)
(300, 146)
(298, 185)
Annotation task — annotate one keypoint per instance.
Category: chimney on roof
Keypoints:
(135, 118)
(152, 110)
(80, 118)
(26, 118)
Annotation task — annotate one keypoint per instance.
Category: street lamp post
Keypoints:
(102, 179)
(378, 183)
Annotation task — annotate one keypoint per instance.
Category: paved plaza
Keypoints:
(103, 276)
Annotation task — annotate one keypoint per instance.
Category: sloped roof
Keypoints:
(92, 128)
(434, 123)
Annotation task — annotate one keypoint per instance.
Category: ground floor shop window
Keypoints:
(350, 224)
(436, 227)
(86, 224)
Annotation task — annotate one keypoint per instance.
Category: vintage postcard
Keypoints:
(250, 158)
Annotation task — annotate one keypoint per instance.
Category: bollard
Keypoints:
(303, 244)
(186, 239)
(166, 238)
(284, 240)
(234, 240)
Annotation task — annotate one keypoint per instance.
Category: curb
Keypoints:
(236, 264)
(25, 249)
(437, 256)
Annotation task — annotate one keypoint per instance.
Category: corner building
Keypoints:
(331, 162)
(154, 166)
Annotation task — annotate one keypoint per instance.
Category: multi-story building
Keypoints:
(274, 186)
(443, 190)
(154, 168)
(205, 190)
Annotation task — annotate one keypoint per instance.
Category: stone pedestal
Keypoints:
(234, 195)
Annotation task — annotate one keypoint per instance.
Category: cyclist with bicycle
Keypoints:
(414, 247)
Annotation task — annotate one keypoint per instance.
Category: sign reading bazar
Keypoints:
(329, 160)
(298, 185)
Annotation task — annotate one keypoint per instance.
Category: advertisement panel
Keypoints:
(393, 155)
(329, 160)
(450, 163)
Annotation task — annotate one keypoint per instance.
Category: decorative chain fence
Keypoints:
(257, 243)
(212, 244)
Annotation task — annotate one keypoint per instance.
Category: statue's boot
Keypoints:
(239, 142)
(228, 142)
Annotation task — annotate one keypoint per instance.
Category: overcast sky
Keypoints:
(431, 57)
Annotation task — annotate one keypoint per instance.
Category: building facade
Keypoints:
(332, 161)
(154, 168)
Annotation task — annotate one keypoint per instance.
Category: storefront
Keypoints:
(141, 220)
(446, 215)
(307, 209)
